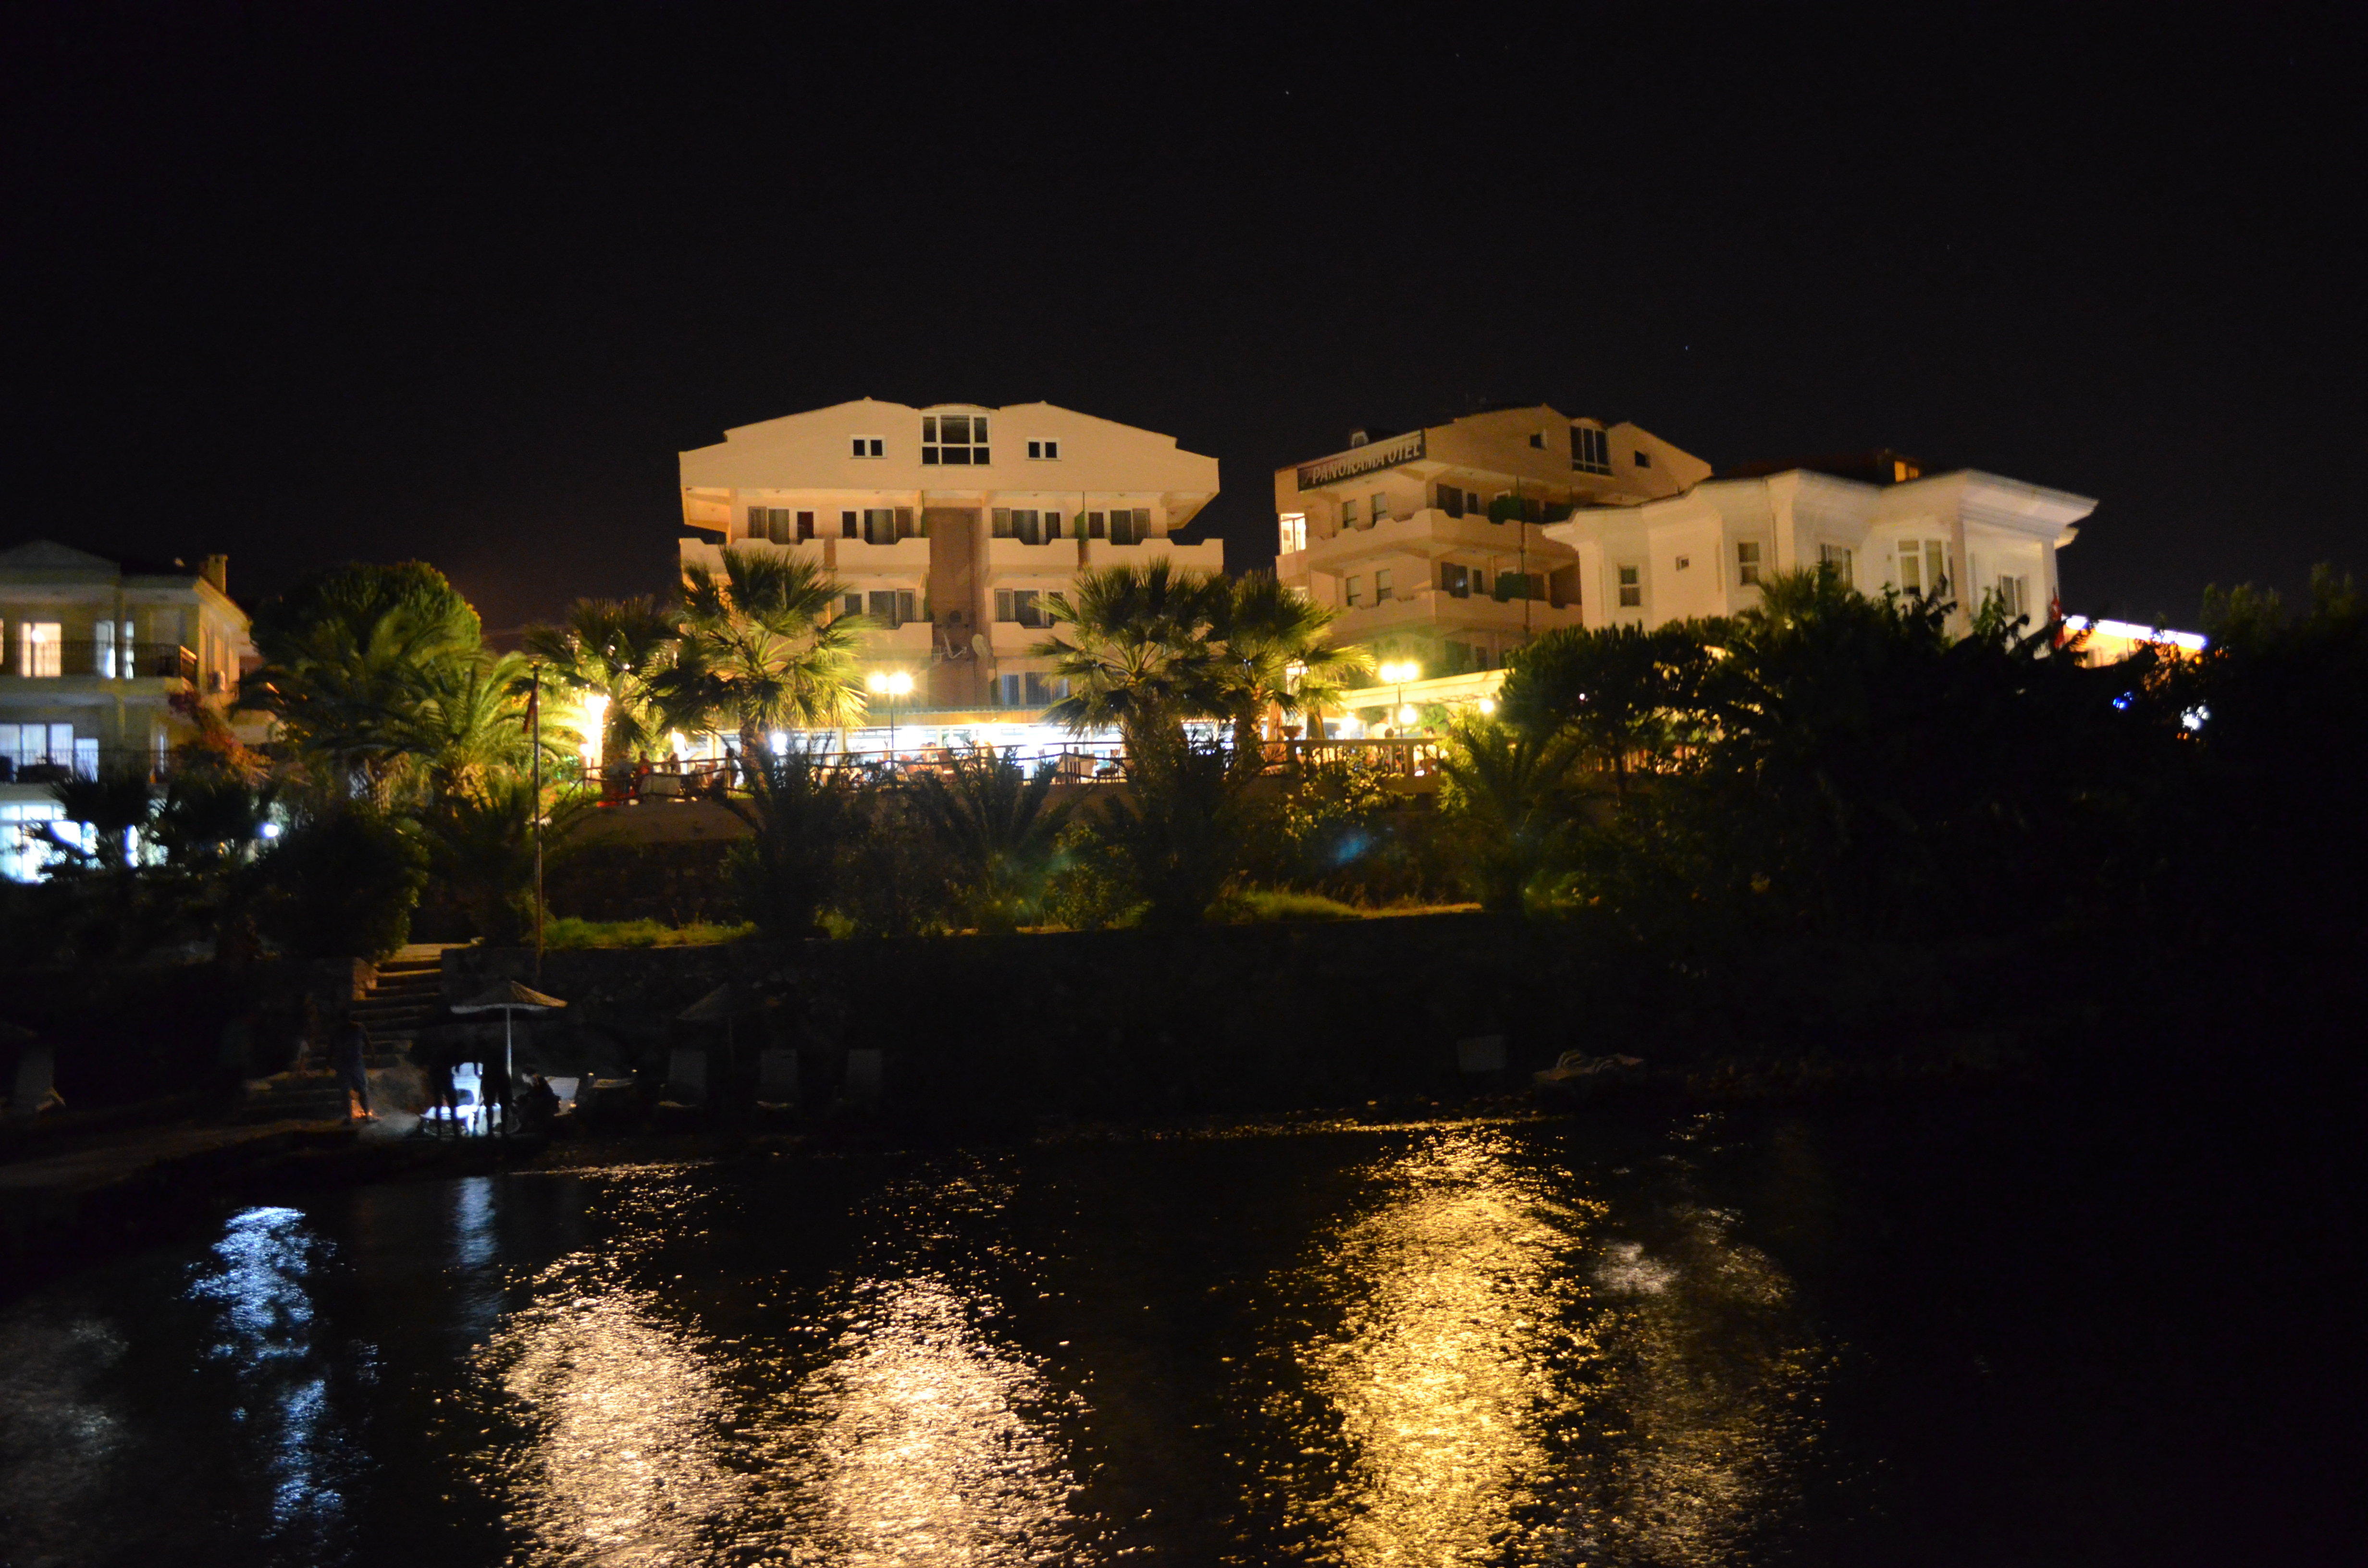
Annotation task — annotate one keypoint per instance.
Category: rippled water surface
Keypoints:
(1707, 1341)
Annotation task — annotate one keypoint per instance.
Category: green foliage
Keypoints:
(1089, 887)
(619, 650)
(1254, 906)
(801, 816)
(570, 932)
(893, 877)
(1182, 828)
(481, 846)
(763, 648)
(996, 824)
(1134, 643)
(1509, 793)
(341, 884)
(1629, 698)
(1272, 649)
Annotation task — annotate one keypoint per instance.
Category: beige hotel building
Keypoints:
(949, 525)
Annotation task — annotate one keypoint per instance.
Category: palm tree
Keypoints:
(114, 806)
(347, 657)
(1507, 788)
(1136, 651)
(1276, 651)
(803, 818)
(997, 824)
(469, 723)
(617, 650)
(1624, 693)
(1183, 826)
(762, 650)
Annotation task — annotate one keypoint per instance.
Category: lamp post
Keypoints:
(1398, 675)
(891, 684)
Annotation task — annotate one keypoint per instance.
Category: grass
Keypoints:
(1278, 903)
(569, 932)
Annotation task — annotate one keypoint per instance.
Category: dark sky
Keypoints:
(317, 283)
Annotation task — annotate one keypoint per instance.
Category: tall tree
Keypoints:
(1508, 789)
(617, 650)
(1627, 694)
(1133, 642)
(1274, 651)
(996, 824)
(763, 649)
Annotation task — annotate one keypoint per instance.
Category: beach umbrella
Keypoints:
(508, 998)
(728, 1001)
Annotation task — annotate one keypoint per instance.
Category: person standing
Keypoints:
(352, 1059)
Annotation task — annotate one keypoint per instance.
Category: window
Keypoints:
(1044, 451)
(892, 606)
(1380, 510)
(2014, 597)
(850, 525)
(869, 447)
(1632, 587)
(1455, 581)
(806, 524)
(1590, 449)
(1382, 585)
(40, 648)
(1538, 439)
(1355, 588)
(1923, 566)
(1835, 559)
(1643, 460)
(1348, 516)
(1684, 562)
(1024, 606)
(956, 441)
(851, 605)
(1130, 527)
(1450, 500)
(880, 524)
(1025, 524)
(1294, 532)
(1479, 579)
(1747, 563)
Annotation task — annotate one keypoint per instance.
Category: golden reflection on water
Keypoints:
(1439, 1381)
(1484, 1376)
(624, 1465)
(923, 1441)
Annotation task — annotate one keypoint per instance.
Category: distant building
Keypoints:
(1435, 544)
(102, 665)
(949, 526)
(1876, 519)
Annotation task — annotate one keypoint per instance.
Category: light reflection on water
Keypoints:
(1465, 1388)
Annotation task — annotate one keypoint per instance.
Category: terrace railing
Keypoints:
(108, 661)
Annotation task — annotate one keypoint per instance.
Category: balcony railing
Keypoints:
(108, 661)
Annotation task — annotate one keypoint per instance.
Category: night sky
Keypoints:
(317, 283)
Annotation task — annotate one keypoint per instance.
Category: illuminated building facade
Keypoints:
(949, 526)
(1435, 544)
(1876, 519)
(101, 663)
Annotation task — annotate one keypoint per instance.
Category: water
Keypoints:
(1942, 1334)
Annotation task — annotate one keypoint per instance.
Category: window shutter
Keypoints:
(904, 522)
(903, 606)
(1003, 604)
(849, 526)
(806, 524)
(1093, 525)
(1003, 522)
(1052, 524)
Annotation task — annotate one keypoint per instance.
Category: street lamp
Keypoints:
(1398, 675)
(891, 684)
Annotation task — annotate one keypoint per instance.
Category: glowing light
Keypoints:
(1487, 706)
(1407, 715)
(2130, 630)
(680, 746)
(780, 739)
(595, 728)
(1399, 674)
(2195, 717)
(269, 830)
(890, 683)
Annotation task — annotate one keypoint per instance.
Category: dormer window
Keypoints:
(1044, 451)
(1590, 449)
(954, 440)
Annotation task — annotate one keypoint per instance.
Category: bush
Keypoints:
(341, 885)
(569, 932)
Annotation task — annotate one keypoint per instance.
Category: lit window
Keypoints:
(1044, 451)
(1294, 532)
(1590, 449)
(869, 447)
(1923, 566)
(1746, 564)
(955, 440)
(1632, 587)
(41, 646)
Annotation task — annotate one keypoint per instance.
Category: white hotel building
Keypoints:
(948, 525)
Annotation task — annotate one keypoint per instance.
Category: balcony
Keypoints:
(1016, 639)
(1207, 556)
(1053, 558)
(1431, 533)
(907, 556)
(87, 659)
(912, 641)
(1439, 609)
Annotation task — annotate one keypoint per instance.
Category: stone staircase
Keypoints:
(405, 997)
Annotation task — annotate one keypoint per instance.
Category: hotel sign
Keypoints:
(1368, 459)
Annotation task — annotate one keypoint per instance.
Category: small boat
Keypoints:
(1576, 1078)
